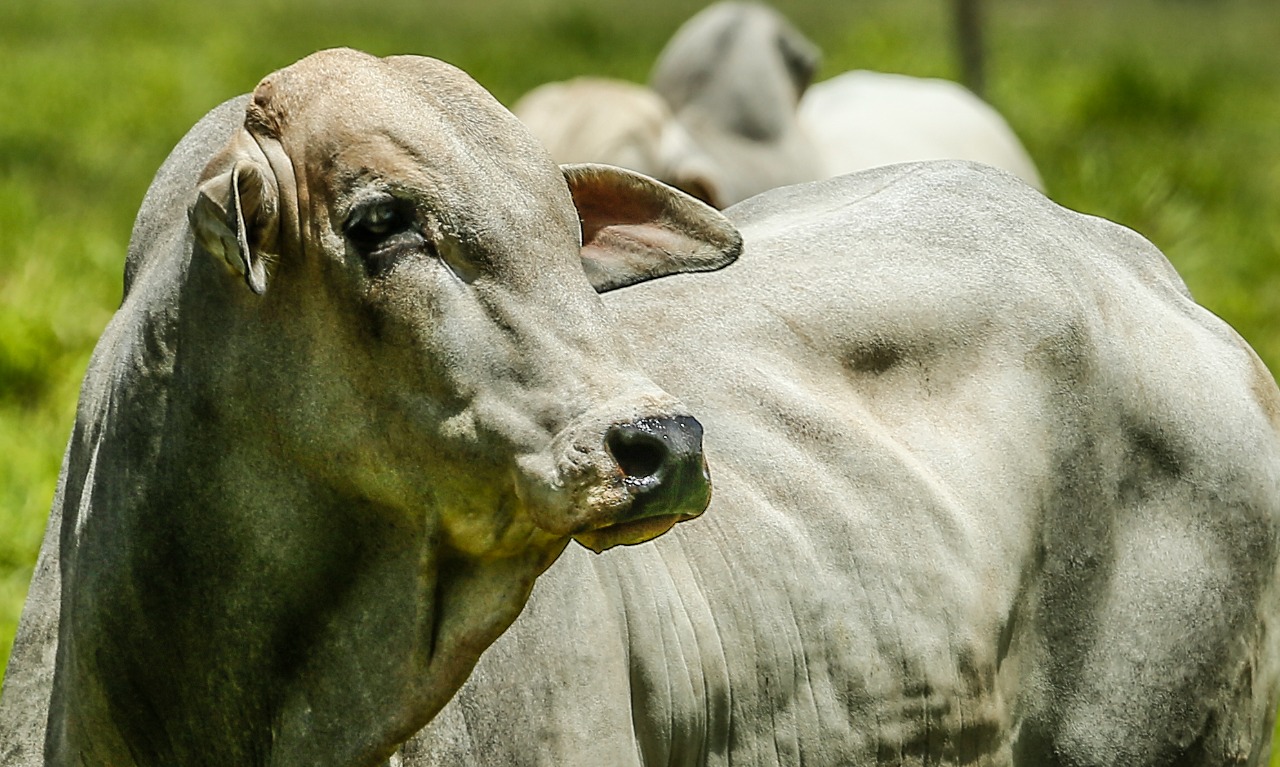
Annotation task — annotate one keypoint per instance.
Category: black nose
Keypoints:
(662, 465)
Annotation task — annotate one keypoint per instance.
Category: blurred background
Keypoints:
(1162, 115)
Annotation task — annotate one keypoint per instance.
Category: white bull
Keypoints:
(360, 392)
(991, 489)
(595, 119)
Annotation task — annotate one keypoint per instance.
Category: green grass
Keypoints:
(1162, 115)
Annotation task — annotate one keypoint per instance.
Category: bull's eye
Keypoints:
(382, 219)
(384, 232)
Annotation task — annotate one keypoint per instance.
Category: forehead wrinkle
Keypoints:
(381, 156)
(423, 130)
(464, 175)
(410, 169)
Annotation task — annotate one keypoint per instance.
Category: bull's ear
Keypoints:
(236, 213)
(800, 56)
(636, 229)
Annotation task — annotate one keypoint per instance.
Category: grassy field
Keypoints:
(1163, 116)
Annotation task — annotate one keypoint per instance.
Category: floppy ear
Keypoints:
(636, 229)
(236, 212)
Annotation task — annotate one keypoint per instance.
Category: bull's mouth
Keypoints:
(629, 533)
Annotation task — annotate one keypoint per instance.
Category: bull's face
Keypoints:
(414, 298)
(432, 260)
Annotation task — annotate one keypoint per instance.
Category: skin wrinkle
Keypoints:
(773, 729)
(672, 707)
(641, 707)
(762, 689)
(717, 622)
(707, 704)
(965, 733)
(655, 701)
(680, 602)
(799, 669)
(800, 680)
(609, 578)
(861, 578)
(906, 670)
(906, 675)
(909, 458)
(771, 681)
(694, 584)
(698, 725)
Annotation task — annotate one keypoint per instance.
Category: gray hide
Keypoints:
(991, 489)
(359, 393)
(733, 76)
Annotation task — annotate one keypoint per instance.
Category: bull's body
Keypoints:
(991, 489)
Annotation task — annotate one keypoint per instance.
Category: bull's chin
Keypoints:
(629, 533)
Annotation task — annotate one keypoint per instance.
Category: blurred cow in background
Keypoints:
(863, 119)
(734, 75)
(741, 116)
(596, 119)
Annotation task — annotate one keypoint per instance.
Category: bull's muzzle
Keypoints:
(664, 473)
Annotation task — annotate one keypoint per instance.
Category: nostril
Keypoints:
(638, 452)
(660, 464)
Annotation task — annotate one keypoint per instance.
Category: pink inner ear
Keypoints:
(605, 204)
(634, 243)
